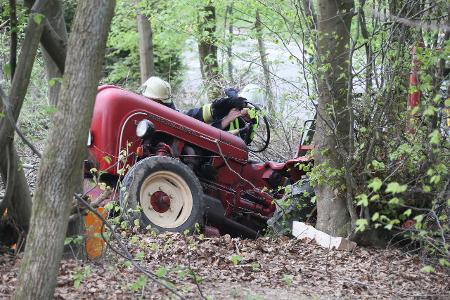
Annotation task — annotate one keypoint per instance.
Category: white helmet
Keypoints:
(254, 94)
(157, 89)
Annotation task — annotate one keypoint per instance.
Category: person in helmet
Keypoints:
(230, 114)
(158, 90)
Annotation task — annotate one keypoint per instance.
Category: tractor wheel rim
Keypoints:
(166, 199)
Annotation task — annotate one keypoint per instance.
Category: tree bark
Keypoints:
(55, 16)
(21, 195)
(13, 45)
(146, 55)
(61, 163)
(55, 46)
(332, 136)
(265, 65)
(207, 50)
(229, 15)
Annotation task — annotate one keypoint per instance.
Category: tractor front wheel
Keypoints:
(164, 193)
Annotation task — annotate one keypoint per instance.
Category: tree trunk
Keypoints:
(207, 50)
(229, 14)
(55, 46)
(332, 136)
(264, 64)
(13, 45)
(21, 199)
(55, 16)
(145, 47)
(60, 169)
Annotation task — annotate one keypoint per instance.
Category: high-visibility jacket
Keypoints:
(213, 113)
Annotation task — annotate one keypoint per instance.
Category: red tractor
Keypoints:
(176, 171)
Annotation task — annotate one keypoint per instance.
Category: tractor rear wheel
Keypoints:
(164, 193)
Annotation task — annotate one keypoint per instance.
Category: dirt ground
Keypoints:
(226, 268)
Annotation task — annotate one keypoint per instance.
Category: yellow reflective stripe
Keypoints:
(234, 125)
(207, 113)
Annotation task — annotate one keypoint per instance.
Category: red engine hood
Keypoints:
(116, 112)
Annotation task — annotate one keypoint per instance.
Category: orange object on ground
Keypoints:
(95, 245)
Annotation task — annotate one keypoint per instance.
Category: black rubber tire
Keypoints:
(130, 191)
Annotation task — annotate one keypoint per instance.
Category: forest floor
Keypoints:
(233, 268)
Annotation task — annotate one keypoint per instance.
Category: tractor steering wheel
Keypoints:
(266, 137)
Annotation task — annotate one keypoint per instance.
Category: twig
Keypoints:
(4, 24)
(10, 117)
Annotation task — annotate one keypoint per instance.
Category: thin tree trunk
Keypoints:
(264, 64)
(331, 139)
(208, 51)
(13, 45)
(21, 199)
(60, 169)
(145, 47)
(55, 16)
(229, 14)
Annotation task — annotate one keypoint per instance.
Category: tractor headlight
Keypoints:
(144, 128)
(89, 141)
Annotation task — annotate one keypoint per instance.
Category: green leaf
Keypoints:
(255, 266)
(288, 279)
(107, 159)
(429, 111)
(361, 225)
(140, 255)
(7, 69)
(435, 179)
(2, 114)
(447, 102)
(161, 272)
(363, 200)
(37, 18)
(109, 206)
(435, 137)
(378, 166)
(235, 259)
(375, 216)
(428, 269)
(50, 109)
(394, 201)
(443, 262)
(53, 81)
(407, 212)
(375, 197)
(388, 226)
(396, 188)
(127, 264)
(375, 184)
(138, 284)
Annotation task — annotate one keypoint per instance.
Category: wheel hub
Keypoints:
(160, 201)
(166, 199)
